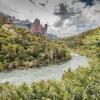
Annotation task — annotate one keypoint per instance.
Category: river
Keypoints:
(44, 73)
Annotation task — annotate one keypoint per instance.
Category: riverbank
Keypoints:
(79, 84)
(22, 49)
(43, 73)
(37, 66)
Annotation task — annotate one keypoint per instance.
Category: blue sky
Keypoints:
(72, 17)
(88, 2)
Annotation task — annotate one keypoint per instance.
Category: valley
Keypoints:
(79, 84)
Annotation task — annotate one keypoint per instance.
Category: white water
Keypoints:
(43, 73)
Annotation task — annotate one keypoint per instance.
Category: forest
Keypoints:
(19, 48)
(81, 84)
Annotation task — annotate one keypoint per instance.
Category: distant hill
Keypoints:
(18, 23)
(78, 39)
(26, 24)
(52, 36)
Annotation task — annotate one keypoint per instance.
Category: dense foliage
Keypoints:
(81, 84)
(21, 48)
(83, 38)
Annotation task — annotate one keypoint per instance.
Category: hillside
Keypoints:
(19, 48)
(78, 40)
(81, 84)
(87, 43)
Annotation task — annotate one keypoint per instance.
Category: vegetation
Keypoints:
(3, 19)
(81, 84)
(20, 48)
(87, 43)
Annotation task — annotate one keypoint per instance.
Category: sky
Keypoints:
(64, 17)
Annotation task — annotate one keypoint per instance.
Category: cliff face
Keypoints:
(35, 27)
(38, 28)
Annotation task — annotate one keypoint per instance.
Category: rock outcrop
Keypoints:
(38, 28)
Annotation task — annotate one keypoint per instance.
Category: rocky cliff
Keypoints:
(38, 28)
(35, 27)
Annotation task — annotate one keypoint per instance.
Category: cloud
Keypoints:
(64, 17)
(41, 3)
(80, 16)
(32, 1)
(68, 9)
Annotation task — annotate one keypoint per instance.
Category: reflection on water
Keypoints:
(43, 73)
